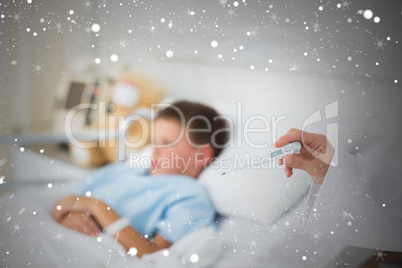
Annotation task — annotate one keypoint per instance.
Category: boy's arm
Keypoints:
(105, 216)
(80, 222)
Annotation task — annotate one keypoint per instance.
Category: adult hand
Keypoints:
(315, 155)
(80, 222)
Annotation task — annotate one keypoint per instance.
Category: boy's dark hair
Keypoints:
(199, 116)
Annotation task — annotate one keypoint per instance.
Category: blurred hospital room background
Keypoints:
(273, 58)
(211, 49)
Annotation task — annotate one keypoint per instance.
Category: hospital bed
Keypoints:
(253, 230)
(259, 222)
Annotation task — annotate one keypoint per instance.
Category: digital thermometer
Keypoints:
(291, 148)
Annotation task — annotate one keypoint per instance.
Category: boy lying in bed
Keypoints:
(149, 212)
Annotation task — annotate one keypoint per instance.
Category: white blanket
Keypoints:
(30, 237)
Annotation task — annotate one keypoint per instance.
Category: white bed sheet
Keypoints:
(30, 237)
(249, 243)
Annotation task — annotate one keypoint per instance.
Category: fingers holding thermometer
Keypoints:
(315, 155)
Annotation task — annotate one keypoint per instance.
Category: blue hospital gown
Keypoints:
(170, 205)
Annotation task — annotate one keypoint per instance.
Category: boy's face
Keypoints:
(172, 153)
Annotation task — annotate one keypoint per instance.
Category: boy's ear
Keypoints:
(208, 154)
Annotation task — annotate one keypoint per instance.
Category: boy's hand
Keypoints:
(315, 155)
(74, 203)
(80, 222)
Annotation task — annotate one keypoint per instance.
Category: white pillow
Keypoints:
(261, 191)
(262, 194)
